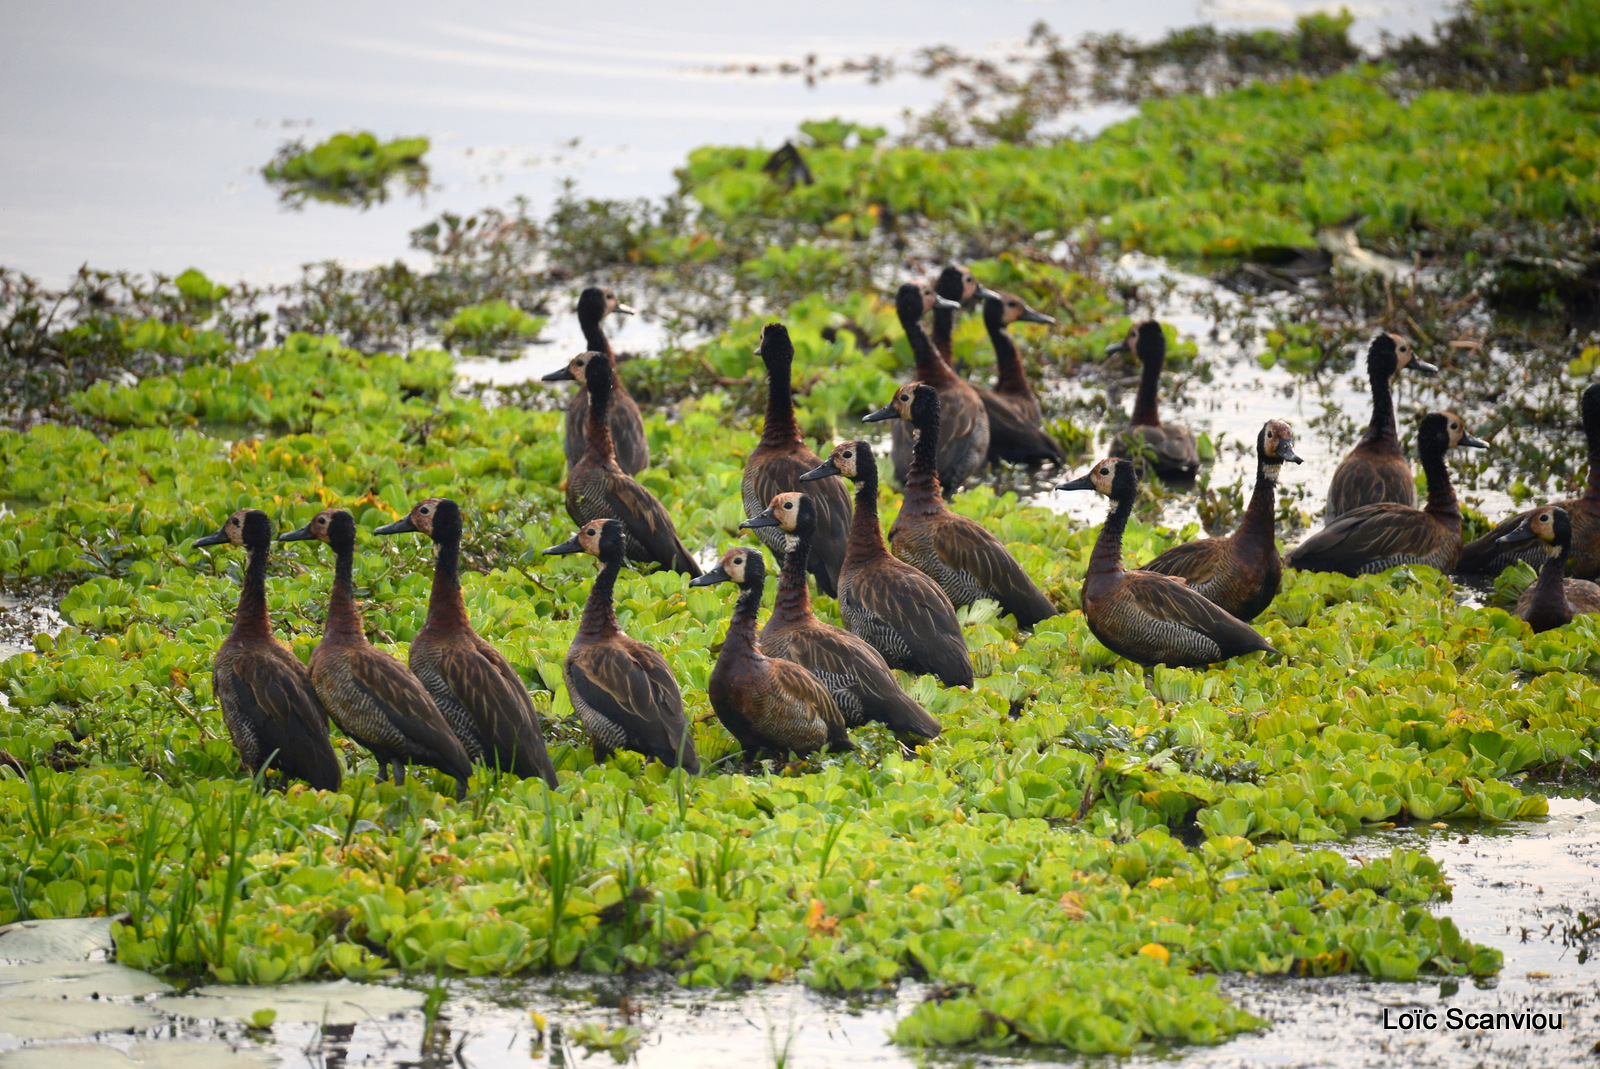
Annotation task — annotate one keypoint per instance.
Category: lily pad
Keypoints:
(338, 1002)
(71, 939)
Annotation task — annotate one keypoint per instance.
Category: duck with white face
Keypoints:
(963, 446)
(627, 427)
(1376, 470)
(1552, 600)
(1167, 448)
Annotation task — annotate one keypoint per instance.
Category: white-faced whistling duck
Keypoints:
(1376, 470)
(1016, 422)
(855, 674)
(268, 702)
(374, 698)
(1147, 617)
(955, 283)
(598, 489)
(1374, 537)
(957, 553)
(776, 464)
(903, 613)
(627, 428)
(1241, 572)
(767, 703)
(1552, 600)
(964, 436)
(1170, 446)
(1492, 554)
(624, 693)
(481, 696)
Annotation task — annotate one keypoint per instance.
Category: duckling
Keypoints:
(1147, 617)
(271, 709)
(1376, 469)
(1493, 553)
(623, 690)
(965, 560)
(855, 674)
(964, 438)
(481, 696)
(1241, 572)
(1552, 600)
(767, 703)
(598, 489)
(627, 428)
(901, 612)
(1374, 537)
(1172, 445)
(777, 463)
(374, 698)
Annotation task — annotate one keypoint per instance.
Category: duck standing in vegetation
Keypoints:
(627, 428)
(1170, 446)
(958, 285)
(1016, 421)
(959, 554)
(1493, 553)
(598, 489)
(1376, 469)
(1552, 600)
(1241, 572)
(855, 674)
(268, 702)
(481, 696)
(1374, 537)
(767, 703)
(1147, 617)
(374, 698)
(964, 435)
(623, 690)
(776, 464)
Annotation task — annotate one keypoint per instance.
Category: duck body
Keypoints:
(1016, 420)
(598, 489)
(1170, 447)
(1376, 470)
(1240, 573)
(964, 433)
(1552, 600)
(901, 612)
(854, 672)
(270, 707)
(481, 696)
(1145, 616)
(767, 703)
(623, 690)
(782, 456)
(374, 698)
(1374, 538)
(627, 426)
(959, 554)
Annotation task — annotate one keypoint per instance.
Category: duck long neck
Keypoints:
(931, 367)
(1552, 581)
(446, 608)
(594, 337)
(597, 443)
(922, 477)
(1107, 556)
(794, 595)
(944, 329)
(1145, 413)
(1441, 495)
(599, 614)
(1259, 526)
(1009, 374)
(251, 619)
(742, 627)
(780, 428)
(866, 532)
(344, 619)
(1382, 430)
(1592, 489)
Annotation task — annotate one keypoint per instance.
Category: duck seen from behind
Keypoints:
(900, 611)
(957, 285)
(481, 696)
(374, 698)
(855, 674)
(1241, 572)
(1145, 616)
(1170, 446)
(1551, 600)
(269, 704)
(1375, 537)
(598, 489)
(623, 690)
(1376, 469)
(782, 456)
(1493, 553)
(1016, 420)
(627, 427)
(959, 554)
(964, 434)
(767, 703)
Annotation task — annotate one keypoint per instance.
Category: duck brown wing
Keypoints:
(1371, 475)
(651, 536)
(394, 701)
(1489, 556)
(1196, 561)
(780, 474)
(963, 436)
(630, 685)
(796, 697)
(916, 607)
(830, 653)
(270, 707)
(1013, 438)
(1363, 535)
(496, 701)
(967, 546)
(572, 438)
(1165, 599)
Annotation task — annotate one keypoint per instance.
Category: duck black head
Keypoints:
(336, 527)
(597, 302)
(792, 512)
(776, 349)
(1145, 340)
(742, 566)
(576, 370)
(599, 375)
(956, 283)
(438, 517)
(1390, 353)
(848, 459)
(605, 539)
(1275, 447)
(1440, 432)
(1113, 477)
(915, 299)
(1590, 404)
(899, 406)
(248, 527)
(1000, 310)
(924, 406)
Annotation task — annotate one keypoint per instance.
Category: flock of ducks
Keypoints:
(799, 684)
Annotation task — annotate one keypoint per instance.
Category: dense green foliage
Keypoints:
(347, 169)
